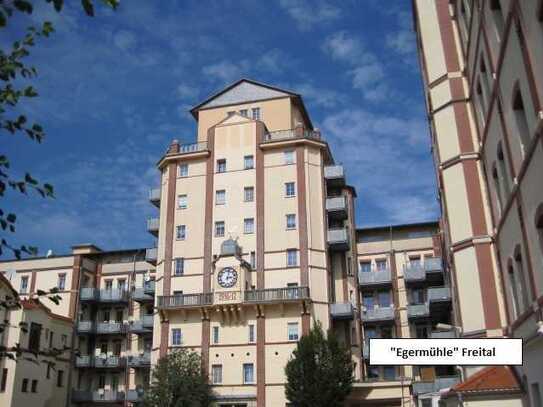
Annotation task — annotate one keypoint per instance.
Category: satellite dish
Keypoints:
(49, 253)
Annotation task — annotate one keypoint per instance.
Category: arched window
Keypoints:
(522, 290)
(497, 187)
(497, 16)
(521, 118)
(485, 77)
(539, 225)
(514, 293)
(503, 174)
(481, 107)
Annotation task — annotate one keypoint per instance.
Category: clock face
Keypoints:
(227, 277)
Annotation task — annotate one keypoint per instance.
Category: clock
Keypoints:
(227, 277)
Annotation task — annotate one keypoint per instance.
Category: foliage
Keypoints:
(319, 372)
(178, 381)
(14, 75)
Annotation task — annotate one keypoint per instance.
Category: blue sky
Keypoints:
(116, 89)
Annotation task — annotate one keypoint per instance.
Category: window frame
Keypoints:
(256, 113)
(215, 335)
(178, 234)
(216, 368)
(249, 192)
(179, 266)
(183, 170)
(249, 162)
(220, 193)
(248, 226)
(291, 335)
(61, 279)
(177, 337)
(290, 216)
(220, 166)
(289, 157)
(245, 370)
(182, 201)
(217, 228)
(289, 185)
(293, 252)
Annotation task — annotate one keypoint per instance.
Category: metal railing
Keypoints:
(149, 287)
(141, 294)
(277, 294)
(145, 324)
(192, 147)
(436, 294)
(153, 224)
(154, 194)
(291, 134)
(185, 300)
(338, 235)
(110, 328)
(97, 396)
(336, 203)
(151, 254)
(414, 272)
(85, 326)
(439, 383)
(374, 277)
(334, 171)
(418, 310)
(83, 361)
(109, 361)
(343, 310)
(135, 395)
(113, 295)
(433, 264)
(377, 314)
(139, 360)
(88, 294)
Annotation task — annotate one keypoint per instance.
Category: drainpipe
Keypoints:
(71, 367)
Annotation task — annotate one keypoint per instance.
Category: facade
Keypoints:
(107, 308)
(256, 243)
(482, 69)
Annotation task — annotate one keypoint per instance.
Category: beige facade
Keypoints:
(483, 76)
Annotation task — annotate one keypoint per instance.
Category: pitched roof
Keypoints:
(247, 90)
(492, 379)
(34, 303)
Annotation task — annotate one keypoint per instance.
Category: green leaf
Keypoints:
(11, 218)
(23, 6)
(88, 7)
(58, 4)
(3, 20)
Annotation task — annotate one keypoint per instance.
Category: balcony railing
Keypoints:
(434, 386)
(83, 361)
(291, 134)
(439, 294)
(192, 147)
(85, 327)
(334, 175)
(338, 238)
(143, 325)
(374, 277)
(149, 287)
(139, 360)
(106, 328)
(151, 255)
(135, 395)
(342, 311)
(109, 362)
(277, 294)
(113, 295)
(88, 294)
(153, 225)
(433, 264)
(418, 310)
(98, 396)
(185, 300)
(378, 314)
(145, 293)
(154, 196)
(414, 272)
(450, 334)
(336, 207)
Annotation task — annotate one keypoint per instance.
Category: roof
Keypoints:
(34, 303)
(488, 380)
(432, 223)
(258, 91)
(4, 280)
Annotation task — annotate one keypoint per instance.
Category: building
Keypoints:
(107, 307)
(38, 374)
(256, 242)
(482, 70)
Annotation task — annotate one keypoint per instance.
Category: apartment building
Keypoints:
(107, 311)
(256, 243)
(482, 67)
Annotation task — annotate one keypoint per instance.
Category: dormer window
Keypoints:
(255, 111)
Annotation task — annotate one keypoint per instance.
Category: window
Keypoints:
(497, 16)
(292, 257)
(367, 301)
(24, 285)
(249, 194)
(244, 112)
(106, 315)
(182, 202)
(536, 394)
(51, 339)
(290, 189)
(231, 113)
(384, 299)
(103, 348)
(34, 338)
(221, 165)
(181, 232)
(34, 386)
(101, 381)
(389, 372)
(365, 266)
(248, 225)
(417, 296)
(289, 157)
(292, 331)
(251, 333)
(60, 378)
(61, 282)
(291, 221)
(215, 334)
(219, 229)
(522, 287)
(248, 373)
(539, 225)
(176, 337)
(4, 380)
(220, 197)
(64, 340)
(109, 285)
(248, 162)
(48, 372)
(252, 260)
(521, 119)
(255, 111)
(381, 264)
(121, 284)
(183, 170)
(24, 388)
(179, 269)
(216, 374)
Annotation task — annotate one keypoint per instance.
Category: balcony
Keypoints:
(338, 239)
(439, 294)
(153, 225)
(83, 361)
(110, 328)
(434, 386)
(143, 360)
(151, 255)
(381, 314)
(109, 362)
(184, 301)
(334, 175)
(374, 278)
(433, 265)
(418, 310)
(414, 272)
(283, 294)
(431, 269)
(142, 326)
(336, 207)
(85, 327)
(342, 311)
(135, 396)
(291, 134)
(149, 287)
(154, 196)
(88, 294)
(451, 334)
(97, 396)
(117, 295)
(145, 293)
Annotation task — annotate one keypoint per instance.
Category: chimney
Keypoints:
(174, 147)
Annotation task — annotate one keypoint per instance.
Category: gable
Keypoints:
(244, 92)
(235, 118)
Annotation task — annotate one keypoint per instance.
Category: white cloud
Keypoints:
(185, 91)
(317, 95)
(272, 61)
(403, 40)
(124, 40)
(307, 14)
(225, 71)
